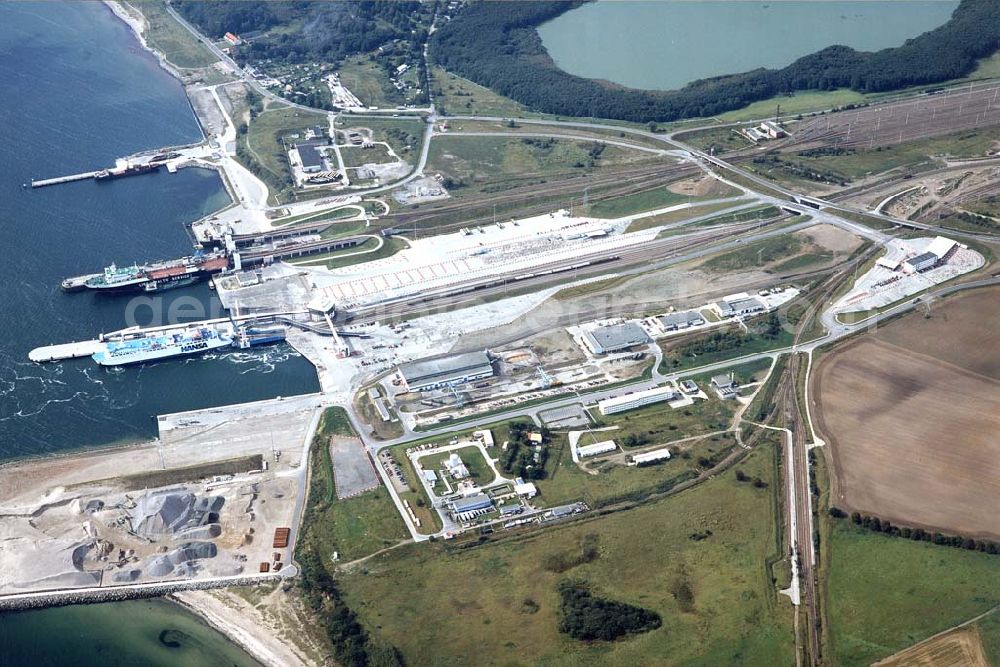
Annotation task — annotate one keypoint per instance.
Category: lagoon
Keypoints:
(665, 44)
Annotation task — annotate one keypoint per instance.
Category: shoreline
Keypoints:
(257, 640)
(243, 630)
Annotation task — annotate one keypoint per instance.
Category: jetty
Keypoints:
(63, 179)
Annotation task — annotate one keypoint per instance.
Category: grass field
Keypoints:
(676, 358)
(455, 95)
(473, 164)
(354, 527)
(989, 634)
(403, 134)
(647, 200)
(886, 593)
(169, 37)
(369, 82)
(355, 156)
(498, 602)
(910, 154)
(264, 146)
(616, 482)
(479, 470)
(757, 254)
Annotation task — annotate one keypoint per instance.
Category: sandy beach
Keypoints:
(242, 624)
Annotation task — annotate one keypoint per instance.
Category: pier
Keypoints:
(63, 179)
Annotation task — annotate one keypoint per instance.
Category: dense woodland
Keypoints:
(588, 617)
(495, 44)
(309, 31)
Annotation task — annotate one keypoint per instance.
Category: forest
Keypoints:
(309, 31)
(496, 45)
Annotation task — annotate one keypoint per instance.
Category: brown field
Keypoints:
(911, 416)
(959, 648)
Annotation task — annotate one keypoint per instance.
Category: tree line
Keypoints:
(496, 45)
(587, 617)
(884, 526)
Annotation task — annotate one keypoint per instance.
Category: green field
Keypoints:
(262, 151)
(369, 82)
(335, 214)
(498, 602)
(169, 37)
(403, 134)
(856, 164)
(457, 96)
(355, 156)
(473, 164)
(756, 254)
(729, 342)
(479, 469)
(989, 633)
(647, 200)
(886, 593)
(567, 483)
(354, 527)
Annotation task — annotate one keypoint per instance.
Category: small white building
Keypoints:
(485, 436)
(647, 458)
(597, 448)
(456, 468)
(610, 406)
(525, 489)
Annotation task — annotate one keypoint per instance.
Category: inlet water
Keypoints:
(79, 91)
(665, 44)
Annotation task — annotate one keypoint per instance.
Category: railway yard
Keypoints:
(558, 350)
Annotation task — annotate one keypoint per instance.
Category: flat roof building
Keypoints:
(610, 406)
(724, 385)
(597, 448)
(741, 306)
(526, 489)
(476, 503)
(614, 338)
(942, 247)
(923, 262)
(682, 320)
(309, 155)
(454, 370)
(651, 457)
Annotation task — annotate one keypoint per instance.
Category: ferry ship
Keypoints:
(153, 277)
(161, 346)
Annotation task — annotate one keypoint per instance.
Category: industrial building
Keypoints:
(526, 489)
(725, 386)
(922, 262)
(448, 371)
(597, 448)
(309, 154)
(603, 340)
(739, 306)
(472, 506)
(676, 321)
(654, 456)
(610, 406)
(456, 468)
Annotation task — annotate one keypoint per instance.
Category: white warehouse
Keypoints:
(610, 406)
(597, 448)
(650, 457)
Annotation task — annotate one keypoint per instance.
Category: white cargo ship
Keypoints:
(161, 346)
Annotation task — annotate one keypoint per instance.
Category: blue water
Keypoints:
(78, 91)
(665, 44)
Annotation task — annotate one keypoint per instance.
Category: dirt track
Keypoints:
(910, 413)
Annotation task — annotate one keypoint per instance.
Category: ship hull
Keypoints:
(107, 357)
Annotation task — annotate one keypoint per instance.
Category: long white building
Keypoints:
(597, 448)
(610, 406)
(651, 457)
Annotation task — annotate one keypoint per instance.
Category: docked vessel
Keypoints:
(126, 170)
(152, 347)
(153, 277)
